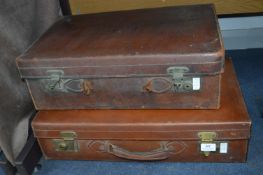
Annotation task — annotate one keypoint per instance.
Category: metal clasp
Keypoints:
(180, 83)
(207, 142)
(68, 142)
(177, 72)
(55, 78)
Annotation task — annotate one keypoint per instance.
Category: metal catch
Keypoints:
(179, 82)
(67, 143)
(207, 142)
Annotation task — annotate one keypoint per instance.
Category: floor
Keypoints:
(249, 68)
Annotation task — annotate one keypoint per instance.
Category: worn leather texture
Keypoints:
(21, 23)
(136, 59)
(150, 134)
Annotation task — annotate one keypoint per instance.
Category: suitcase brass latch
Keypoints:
(68, 142)
(177, 72)
(55, 78)
(179, 81)
(207, 142)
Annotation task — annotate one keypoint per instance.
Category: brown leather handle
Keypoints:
(157, 154)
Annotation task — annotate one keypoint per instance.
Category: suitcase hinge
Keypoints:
(67, 143)
(207, 142)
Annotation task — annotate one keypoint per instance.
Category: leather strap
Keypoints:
(157, 154)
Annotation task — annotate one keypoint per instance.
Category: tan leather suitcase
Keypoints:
(169, 58)
(170, 135)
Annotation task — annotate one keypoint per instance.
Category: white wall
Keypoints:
(242, 32)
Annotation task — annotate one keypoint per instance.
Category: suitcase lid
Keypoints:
(231, 121)
(128, 43)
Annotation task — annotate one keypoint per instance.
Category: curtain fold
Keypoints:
(21, 23)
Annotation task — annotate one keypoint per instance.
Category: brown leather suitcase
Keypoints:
(153, 58)
(172, 135)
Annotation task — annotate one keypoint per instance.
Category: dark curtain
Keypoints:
(21, 23)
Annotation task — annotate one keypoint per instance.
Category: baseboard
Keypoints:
(243, 38)
(242, 32)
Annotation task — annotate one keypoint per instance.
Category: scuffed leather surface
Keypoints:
(21, 23)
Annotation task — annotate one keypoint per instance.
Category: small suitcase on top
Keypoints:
(168, 57)
(171, 135)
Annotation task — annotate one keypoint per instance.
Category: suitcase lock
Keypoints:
(180, 83)
(68, 143)
(207, 142)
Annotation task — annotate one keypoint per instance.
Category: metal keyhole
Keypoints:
(187, 86)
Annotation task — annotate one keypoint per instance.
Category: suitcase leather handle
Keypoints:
(157, 154)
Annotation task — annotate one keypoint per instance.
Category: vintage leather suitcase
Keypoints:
(172, 135)
(155, 58)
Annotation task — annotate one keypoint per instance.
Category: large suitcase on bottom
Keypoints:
(172, 135)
